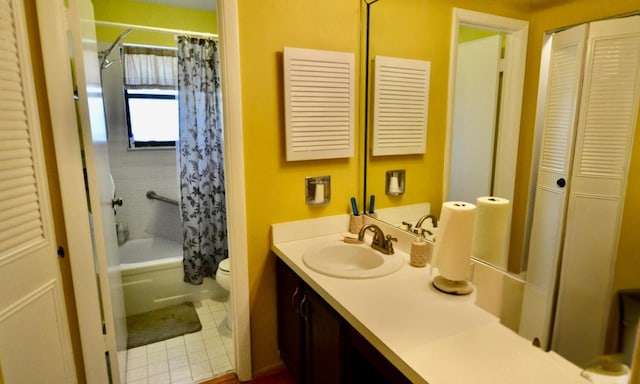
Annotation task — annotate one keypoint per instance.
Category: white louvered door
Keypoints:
(608, 116)
(34, 337)
(565, 74)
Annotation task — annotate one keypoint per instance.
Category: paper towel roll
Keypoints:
(452, 251)
(491, 230)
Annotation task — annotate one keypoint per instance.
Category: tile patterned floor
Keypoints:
(190, 358)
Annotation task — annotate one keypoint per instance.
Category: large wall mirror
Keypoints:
(437, 32)
(472, 134)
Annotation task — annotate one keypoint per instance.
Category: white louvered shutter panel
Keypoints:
(560, 115)
(610, 109)
(20, 215)
(401, 101)
(319, 104)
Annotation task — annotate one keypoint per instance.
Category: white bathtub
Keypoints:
(152, 276)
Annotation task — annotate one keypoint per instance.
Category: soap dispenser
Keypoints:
(419, 251)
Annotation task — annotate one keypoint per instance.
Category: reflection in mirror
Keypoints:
(427, 175)
(409, 40)
(478, 161)
(576, 187)
(485, 100)
(475, 110)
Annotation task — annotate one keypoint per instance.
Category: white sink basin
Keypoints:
(351, 261)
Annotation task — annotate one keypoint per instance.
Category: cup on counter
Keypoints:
(355, 223)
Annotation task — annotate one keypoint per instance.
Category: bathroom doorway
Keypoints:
(146, 179)
(212, 351)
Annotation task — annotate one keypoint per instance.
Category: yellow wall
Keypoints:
(471, 33)
(153, 15)
(275, 187)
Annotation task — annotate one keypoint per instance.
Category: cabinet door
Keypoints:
(290, 335)
(324, 352)
(365, 364)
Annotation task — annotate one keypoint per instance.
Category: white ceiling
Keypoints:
(205, 5)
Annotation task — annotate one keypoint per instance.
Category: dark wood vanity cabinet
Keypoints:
(365, 364)
(317, 345)
(310, 334)
(291, 331)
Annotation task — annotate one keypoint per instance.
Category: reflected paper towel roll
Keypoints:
(452, 251)
(491, 230)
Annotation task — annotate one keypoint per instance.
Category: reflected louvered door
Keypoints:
(608, 117)
(400, 106)
(319, 105)
(561, 111)
(34, 336)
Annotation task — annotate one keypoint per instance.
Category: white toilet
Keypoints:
(223, 278)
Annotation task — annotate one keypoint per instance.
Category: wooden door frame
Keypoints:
(53, 35)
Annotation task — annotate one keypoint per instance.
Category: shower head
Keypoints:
(105, 62)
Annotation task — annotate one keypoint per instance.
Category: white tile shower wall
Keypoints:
(134, 172)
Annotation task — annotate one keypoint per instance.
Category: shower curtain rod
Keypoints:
(155, 29)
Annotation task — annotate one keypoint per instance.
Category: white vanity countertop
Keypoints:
(429, 336)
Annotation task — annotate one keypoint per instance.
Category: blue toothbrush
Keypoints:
(354, 207)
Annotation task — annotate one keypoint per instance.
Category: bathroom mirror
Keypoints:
(422, 30)
(477, 149)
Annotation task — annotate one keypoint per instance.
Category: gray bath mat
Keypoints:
(162, 324)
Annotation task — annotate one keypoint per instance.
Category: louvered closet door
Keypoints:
(565, 72)
(34, 338)
(608, 116)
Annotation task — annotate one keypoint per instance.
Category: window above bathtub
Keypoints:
(152, 117)
(151, 96)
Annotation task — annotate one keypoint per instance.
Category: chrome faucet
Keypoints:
(379, 241)
(434, 220)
